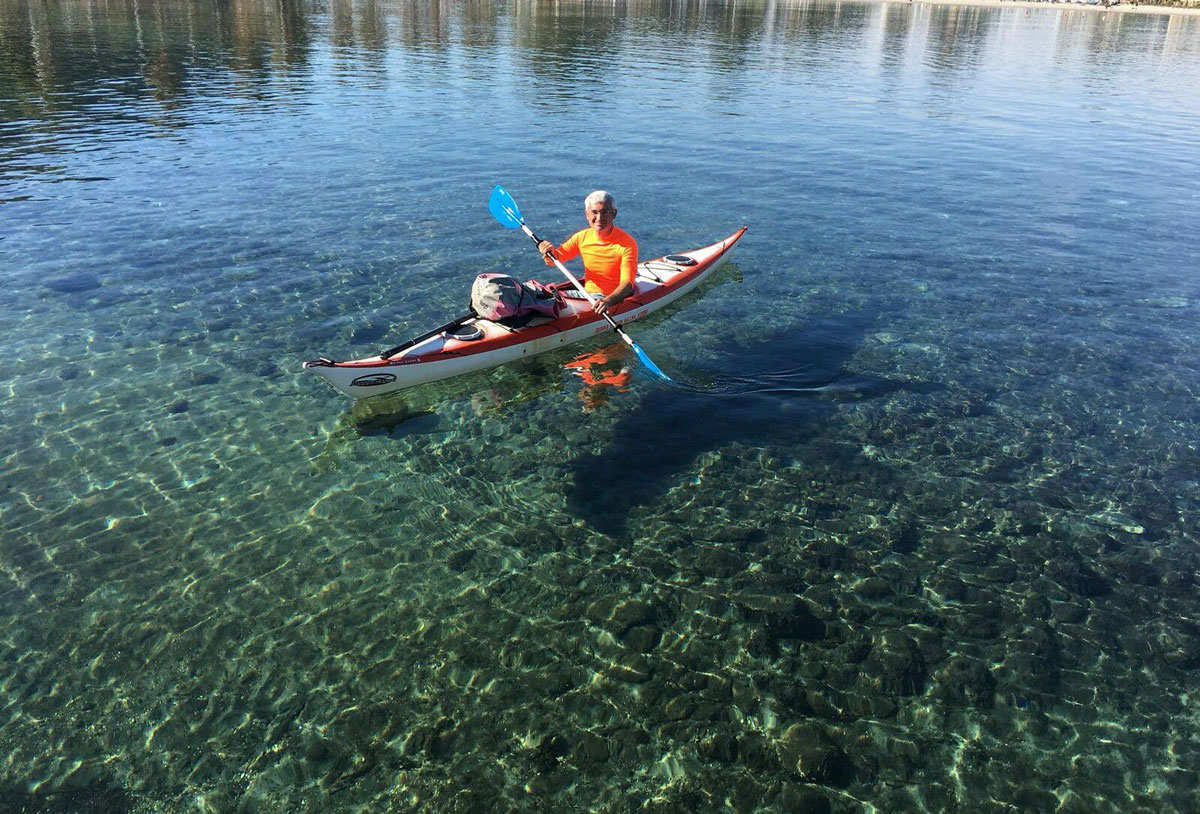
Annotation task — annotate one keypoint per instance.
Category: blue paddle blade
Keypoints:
(653, 368)
(504, 208)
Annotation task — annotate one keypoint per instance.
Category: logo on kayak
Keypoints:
(374, 380)
(621, 320)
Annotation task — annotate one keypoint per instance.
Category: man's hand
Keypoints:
(602, 304)
(545, 247)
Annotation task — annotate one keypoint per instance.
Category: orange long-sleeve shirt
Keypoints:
(608, 262)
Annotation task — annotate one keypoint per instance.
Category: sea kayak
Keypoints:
(471, 343)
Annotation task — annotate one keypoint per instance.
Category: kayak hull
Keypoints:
(439, 355)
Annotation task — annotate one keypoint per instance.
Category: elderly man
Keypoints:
(610, 255)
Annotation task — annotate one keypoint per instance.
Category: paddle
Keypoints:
(505, 209)
(449, 326)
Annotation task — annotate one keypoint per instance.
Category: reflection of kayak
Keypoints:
(471, 343)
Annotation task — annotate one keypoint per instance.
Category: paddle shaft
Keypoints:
(590, 297)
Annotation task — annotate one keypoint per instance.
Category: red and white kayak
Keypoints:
(472, 343)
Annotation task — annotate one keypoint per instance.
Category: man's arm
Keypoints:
(567, 251)
(624, 291)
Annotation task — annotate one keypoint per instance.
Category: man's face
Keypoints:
(600, 217)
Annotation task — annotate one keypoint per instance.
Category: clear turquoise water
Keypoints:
(930, 543)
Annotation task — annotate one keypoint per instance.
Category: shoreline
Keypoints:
(1122, 8)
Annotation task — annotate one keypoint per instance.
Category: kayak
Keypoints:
(470, 343)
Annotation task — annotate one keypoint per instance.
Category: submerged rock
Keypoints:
(550, 749)
(1179, 581)
(318, 749)
(756, 753)
(1069, 612)
(717, 688)
(1137, 571)
(1034, 660)
(642, 638)
(474, 801)
(790, 698)
(829, 555)
(633, 668)
(721, 747)
(966, 680)
(746, 795)
(796, 799)
(680, 707)
(433, 741)
(720, 562)
(1178, 645)
(780, 618)
(896, 664)
(73, 283)
(1072, 574)
(625, 743)
(874, 588)
(460, 560)
(590, 750)
(807, 749)
(828, 703)
(617, 616)
(982, 621)
(904, 538)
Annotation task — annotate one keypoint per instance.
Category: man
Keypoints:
(609, 254)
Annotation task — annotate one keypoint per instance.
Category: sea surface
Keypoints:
(923, 538)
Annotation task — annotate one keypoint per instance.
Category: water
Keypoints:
(928, 543)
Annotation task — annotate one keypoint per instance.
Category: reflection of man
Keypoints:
(602, 372)
(609, 254)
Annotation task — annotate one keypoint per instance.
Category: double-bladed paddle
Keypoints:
(505, 209)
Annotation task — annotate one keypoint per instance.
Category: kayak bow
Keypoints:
(471, 343)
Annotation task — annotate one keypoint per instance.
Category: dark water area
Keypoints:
(919, 536)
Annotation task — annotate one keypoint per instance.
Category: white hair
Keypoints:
(599, 196)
